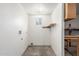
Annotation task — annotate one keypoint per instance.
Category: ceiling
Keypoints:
(39, 8)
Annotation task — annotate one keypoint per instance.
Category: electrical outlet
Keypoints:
(20, 32)
(21, 38)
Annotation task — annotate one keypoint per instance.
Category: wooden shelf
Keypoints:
(74, 29)
(49, 26)
(69, 19)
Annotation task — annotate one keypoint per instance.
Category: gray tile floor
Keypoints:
(39, 51)
(71, 51)
(67, 53)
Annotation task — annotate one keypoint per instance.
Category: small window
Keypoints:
(38, 20)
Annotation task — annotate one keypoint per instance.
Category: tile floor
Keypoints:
(39, 51)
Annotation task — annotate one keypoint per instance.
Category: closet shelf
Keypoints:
(74, 29)
(49, 26)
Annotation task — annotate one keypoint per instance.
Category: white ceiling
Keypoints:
(39, 8)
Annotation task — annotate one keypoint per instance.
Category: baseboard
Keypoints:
(40, 46)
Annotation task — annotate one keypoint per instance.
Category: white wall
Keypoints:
(56, 31)
(38, 35)
(12, 19)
